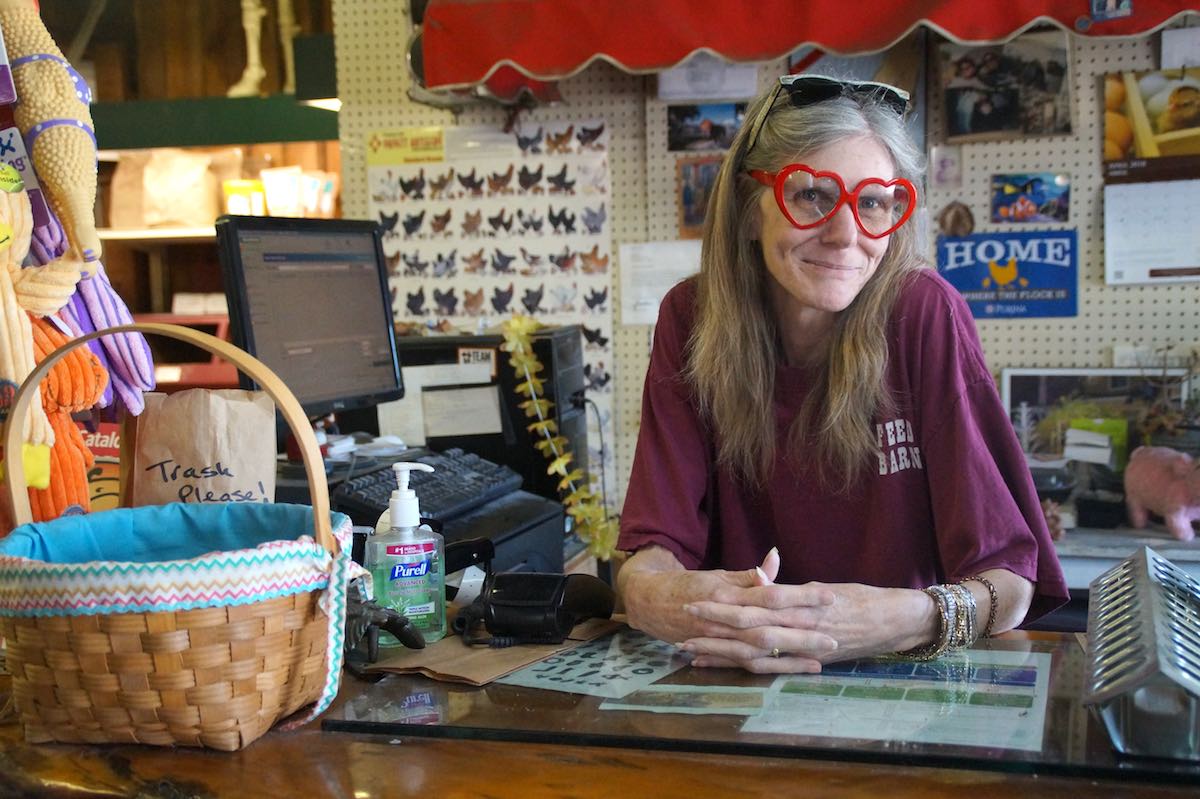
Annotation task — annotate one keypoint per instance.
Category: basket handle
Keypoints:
(15, 486)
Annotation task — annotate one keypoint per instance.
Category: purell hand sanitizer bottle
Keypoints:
(407, 564)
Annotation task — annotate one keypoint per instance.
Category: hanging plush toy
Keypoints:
(52, 113)
(50, 252)
(56, 127)
(16, 334)
(73, 384)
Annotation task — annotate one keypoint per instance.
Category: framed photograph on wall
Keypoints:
(1035, 398)
(1152, 114)
(710, 126)
(694, 182)
(1031, 197)
(1006, 91)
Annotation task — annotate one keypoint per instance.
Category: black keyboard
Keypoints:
(460, 482)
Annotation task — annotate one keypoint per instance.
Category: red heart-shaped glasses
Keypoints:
(809, 198)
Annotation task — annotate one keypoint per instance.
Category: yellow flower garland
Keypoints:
(591, 520)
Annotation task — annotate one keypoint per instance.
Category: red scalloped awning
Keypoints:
(466, 41)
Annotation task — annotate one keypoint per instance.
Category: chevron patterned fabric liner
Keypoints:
(34, 587)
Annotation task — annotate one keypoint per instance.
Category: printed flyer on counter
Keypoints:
(986, 698)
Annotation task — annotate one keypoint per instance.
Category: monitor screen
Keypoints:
(309, 298)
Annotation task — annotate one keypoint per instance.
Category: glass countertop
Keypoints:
(1009, 704)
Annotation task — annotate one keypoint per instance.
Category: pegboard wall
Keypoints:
(1142, 316)
(373, 80)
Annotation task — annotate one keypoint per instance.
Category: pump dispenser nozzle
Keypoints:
(404, 507)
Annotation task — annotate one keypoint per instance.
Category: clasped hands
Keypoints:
(742, 619)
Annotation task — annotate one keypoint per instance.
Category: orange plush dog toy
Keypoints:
(73, 384)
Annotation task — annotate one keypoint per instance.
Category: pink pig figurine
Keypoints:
(1167, 482)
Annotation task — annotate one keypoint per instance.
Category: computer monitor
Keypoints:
(309, 298)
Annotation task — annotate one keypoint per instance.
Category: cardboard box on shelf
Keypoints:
(284, 192)
(245, 196)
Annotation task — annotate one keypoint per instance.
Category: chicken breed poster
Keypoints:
(480, 225)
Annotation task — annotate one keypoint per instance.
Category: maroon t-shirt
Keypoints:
(950, 497)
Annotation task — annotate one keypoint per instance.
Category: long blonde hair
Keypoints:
(735, 345)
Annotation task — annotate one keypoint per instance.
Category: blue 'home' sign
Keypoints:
(1013, 274)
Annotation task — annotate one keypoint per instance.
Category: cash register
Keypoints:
(310, 299)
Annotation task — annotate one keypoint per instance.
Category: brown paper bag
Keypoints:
(170, 187)
(202, 445)
(125, 206)
(451, 660)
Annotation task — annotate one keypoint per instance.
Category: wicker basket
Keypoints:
(218, 667)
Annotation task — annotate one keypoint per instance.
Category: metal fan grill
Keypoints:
(1143, 664)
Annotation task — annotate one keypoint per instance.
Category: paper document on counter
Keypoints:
(693, 700)
(609, 667)
(977, 697)
(451, 660)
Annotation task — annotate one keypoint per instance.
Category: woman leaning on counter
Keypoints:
(824, 469)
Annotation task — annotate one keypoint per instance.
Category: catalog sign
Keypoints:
(104, 476)
(1013, 275)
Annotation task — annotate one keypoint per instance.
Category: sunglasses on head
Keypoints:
(806, 90)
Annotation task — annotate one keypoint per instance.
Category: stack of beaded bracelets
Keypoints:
(958, 618)
(991, 589)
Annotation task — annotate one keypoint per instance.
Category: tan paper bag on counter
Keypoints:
(201, 445)
(451, 660)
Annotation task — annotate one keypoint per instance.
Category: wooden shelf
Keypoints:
(155, 244)
(219, 321)
(211, 373)
(163, 236)
(209, 121)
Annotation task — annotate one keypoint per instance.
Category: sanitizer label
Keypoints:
(404, 570)
(408, 578)
(423, 549)
(415, 560)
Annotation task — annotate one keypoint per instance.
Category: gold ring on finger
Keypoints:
(775, 652)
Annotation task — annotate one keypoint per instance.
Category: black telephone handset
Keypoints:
(534, 607)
